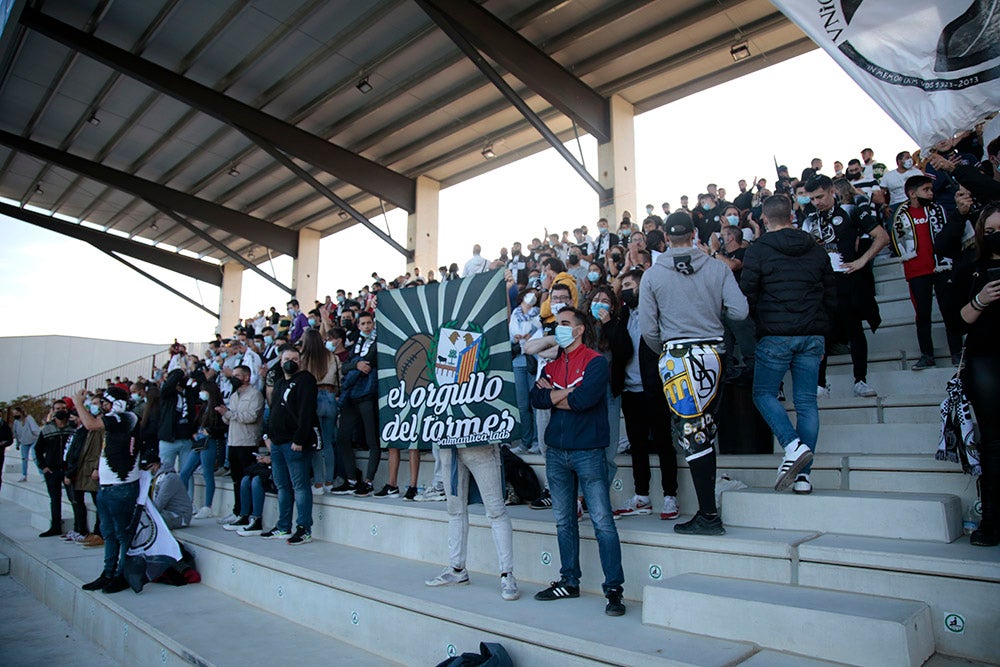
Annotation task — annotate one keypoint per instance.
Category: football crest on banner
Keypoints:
(957, 44)
(690, 380)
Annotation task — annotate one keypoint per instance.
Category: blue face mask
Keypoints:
(624, 233)
(269, 340)
(223, 354)
(136, 397)
(802, 199)
(733, 219)
(94, 409)
(203, 395)
(707, 207)
(216, 366)
(596, 308)
(564, 335)
(312, 321)
(593, 276)
(330, 346)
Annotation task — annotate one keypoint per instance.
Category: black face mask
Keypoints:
(630, 298)
(992, 243)
(924, 201)
(290, 367)
(61, 415)
(235, 381)
(853, 177)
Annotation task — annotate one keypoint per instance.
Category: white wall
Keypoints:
(33, 365)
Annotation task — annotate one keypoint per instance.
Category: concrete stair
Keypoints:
(872, 630)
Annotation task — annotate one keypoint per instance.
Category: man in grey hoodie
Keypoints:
(683, 299)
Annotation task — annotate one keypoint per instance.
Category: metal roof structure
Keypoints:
(215, 129)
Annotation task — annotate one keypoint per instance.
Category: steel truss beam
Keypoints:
(156, 280)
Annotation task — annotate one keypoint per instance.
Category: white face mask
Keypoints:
(908, 164)
(556, 307)
(530, 298)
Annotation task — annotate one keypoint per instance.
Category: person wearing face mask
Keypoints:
(855, 173)
(927, 239)
(291, 430)
(358, 404)
(554, 273)
(243, 414)
(518, 263)
(118, 474)
(6, 440)
(895, 180)
(178, 397)
(605, 240)
(53, 439)
(524, 323)
(211, 435)
(299, 320)
(138, 395)
(26, 433)
(706, 217)
(574, 387)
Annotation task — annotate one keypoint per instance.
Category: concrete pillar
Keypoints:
(422, 227)
(305, 271)
(229, 300)
(616, 163)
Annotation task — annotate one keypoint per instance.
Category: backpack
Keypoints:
(520, 475)
(490, 654)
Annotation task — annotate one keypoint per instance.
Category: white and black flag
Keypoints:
(153, 548)
(932, 65)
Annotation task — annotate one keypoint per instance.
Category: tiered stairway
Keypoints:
(872, 569)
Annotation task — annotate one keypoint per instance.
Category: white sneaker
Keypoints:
(204, 513)
(797, 456)
(862, 390)
(623, 446)
(670, 510)
(637, 505)
(450, 578)
(536, 450)
(519, 450)
(318, 490)
(431, 494)
(802, 485)
(226, 520)
(508, 587)
(823, 392)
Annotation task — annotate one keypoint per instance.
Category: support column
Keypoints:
(305, 271)
(229, 300)
(422, 227)
(616, 163)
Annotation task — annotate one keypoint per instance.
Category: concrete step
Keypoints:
(917, 438)
(928, 383)
(847, 627)
(964, 606)
(897, 409)
(4, 564)
(156, 627)
(910, 516)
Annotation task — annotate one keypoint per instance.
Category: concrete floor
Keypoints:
(32, 634)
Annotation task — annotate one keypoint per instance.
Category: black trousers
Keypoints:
(982, 387)
(80, 523)
(922, 290)
(645, 417)
(854, 327)
(54, 485)
(240, 458)
(359, 415)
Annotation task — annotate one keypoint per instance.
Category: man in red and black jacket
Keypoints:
(574, 387)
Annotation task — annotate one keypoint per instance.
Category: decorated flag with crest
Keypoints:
(445, 375)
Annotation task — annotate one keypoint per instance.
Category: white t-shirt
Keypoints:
(119, 462)
(893, 181)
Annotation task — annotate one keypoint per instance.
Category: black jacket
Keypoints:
(789, 284)
(177, 407)
(51, 446)
(293, 411)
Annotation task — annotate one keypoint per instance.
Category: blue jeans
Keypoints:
(252, 496)
(591, 469)
(615, 427)
(523, 380)
(206, 458)
(115, 507)
(326, 410)
(775, 355)
(25, 455)
(290, 470)
(179, 450)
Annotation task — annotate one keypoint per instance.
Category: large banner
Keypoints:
(932, 65)
(444, 365)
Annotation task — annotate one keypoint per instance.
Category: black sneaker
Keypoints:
(344, 489)
(615, 606)
(239, 524)
(543, 502)
(300, 536)
(924, 363)
(701, 524)
(387, 492)
(51, 532)
(115, 585)
(97, 584)
(363, 490)
(411, 493)
(558, 590)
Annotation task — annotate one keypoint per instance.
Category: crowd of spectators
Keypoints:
(283, 403)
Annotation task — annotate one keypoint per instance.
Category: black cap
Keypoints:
(679, 223)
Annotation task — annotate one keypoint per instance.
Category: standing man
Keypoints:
(299, 320)
(6, 440)
(49, 451)
(292, 430)
(26, 433)
(895, 180)
(838, 228)
(926, 240)
(683, 298)
(793, 293)
(118, 473)
(476, 264)
(359, 409)
(574, 386)
(243, 414)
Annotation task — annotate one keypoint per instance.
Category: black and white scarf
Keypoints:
(904, 234)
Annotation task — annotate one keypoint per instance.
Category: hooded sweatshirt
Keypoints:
(684, 295)
(789, 284)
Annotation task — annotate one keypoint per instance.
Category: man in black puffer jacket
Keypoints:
(792, 292)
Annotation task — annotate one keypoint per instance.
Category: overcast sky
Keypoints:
(50, 284)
